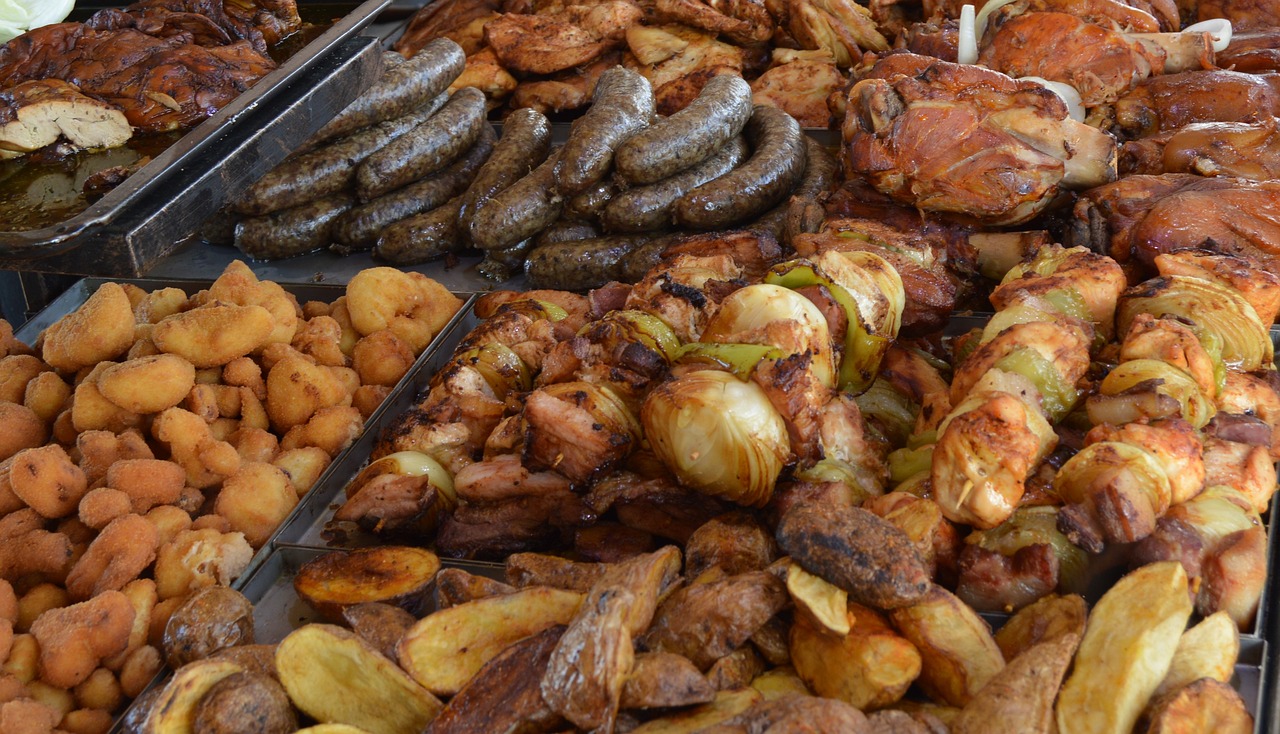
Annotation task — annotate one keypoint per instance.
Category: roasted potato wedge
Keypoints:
(706, 621)
(443, 651)
(1207, 650)
(246, 699)
(1203, 706)
(397, 575)
(211, 619)
(1019, 698)
(780, 682)
(455, 586)
(381, 625)
(1041, 621)
(1128, 646)
(727, 704)
(822, 601)
(662, 680)
(959, 654)
(174, 709)
(538, 569)
(504, 696)
(337, 678)
(870, 667)
(737, 669)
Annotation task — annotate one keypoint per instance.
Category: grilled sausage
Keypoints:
(650, 207)
(805, 211)
(520, 211)
(291, 231)
(563, 230)
(403, 87)
(329, 170)
(587, 205)
(422, 237)
(425, 149)
(688, 137)
(621, 106)
(525, 143)
(359, 228)
(774, 169)
(502, 265)
(580, 265)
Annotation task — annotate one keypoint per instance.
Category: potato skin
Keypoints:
(244, 701)
(875, 562)
(213, 619)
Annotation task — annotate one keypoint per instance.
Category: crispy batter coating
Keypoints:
(48, 481)
(124, 549)
(297, 388)
(331, 429)
(148, 384)
(147, 482)
(98, 450)
(215, 334)
(199, 558)
(206, 460)
(100, 330)
(74, 639)
(382, 358)
(255, 500)
(20, 428)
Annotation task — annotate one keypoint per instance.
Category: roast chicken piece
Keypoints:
(567, 90)
(1173, 101)
(461, 21)
(1101, 64)
(1241, 149)
(937, 37)
(1252, 52)
(840, 27)
(485, 73)
(37, 113)
(1139, 217)
(159, 84)
(544, 44)
(209, 22)
(1243, 14)
(968, 141)
(1131, 17)
(742, 21)
(678, 61)
(799, 83)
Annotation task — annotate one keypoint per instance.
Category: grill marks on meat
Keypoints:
(166, 64)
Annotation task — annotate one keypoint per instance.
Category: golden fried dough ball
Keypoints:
(16, 371)
(101, 690)
(47, 395)
(199, 558)
(303, 466)
(102, 505)
(297, 388)
(47, 480)
(86, 721)
(26, 547)
(38, 600)
(124, 549)
(367, 398)
(169, 521)
(142, 595)
(92, 411)
(20, 428)
(159, 305)
(412, 305)
(240, 286)
(321, 339)
(331, 429)
(342, 315)
(215, 522)
(9, 344)
(206, 460)
(253, 412)
(214, 335)
(139, 668)
(147, 482)
(255, 444)
(8, 602)
(27, 716)
(147, 384)
(244, 372)
(100, 330)
(98, 450)
(382, 358)
(73, 640)
(255, 500)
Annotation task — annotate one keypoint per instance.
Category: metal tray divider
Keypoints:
(304, 528)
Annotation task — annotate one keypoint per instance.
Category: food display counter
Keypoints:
(649, 367)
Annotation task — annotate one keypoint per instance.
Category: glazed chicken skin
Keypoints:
(161, 82)
(1173, 101)
(1248, 150)
(967, 141)
(1140, 217)
(1243, 14)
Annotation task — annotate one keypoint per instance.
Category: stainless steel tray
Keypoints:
(331, 481)
(131, 226)
(307, 524)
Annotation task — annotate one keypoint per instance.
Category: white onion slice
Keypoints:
(967, 49)
(1066, 92)
(980, 21)
(1219, 28)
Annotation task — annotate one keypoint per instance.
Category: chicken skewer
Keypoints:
(1021, 376)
